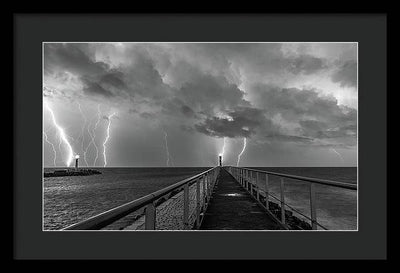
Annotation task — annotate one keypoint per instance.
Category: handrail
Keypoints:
(297, 211)
(332, 183)
(246, 178)
(105, 218)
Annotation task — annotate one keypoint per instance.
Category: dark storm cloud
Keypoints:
(97, 78)
(187, 111)
(222, 127)
(193, 90)
(294, 102)
(346, 75)
(306, 64)
(240, 123)
(143, 78)
(71, 57)
(114, 78)
(316, 117)
(209, 94)
(94, 88)
(147, 115)
(200, 92)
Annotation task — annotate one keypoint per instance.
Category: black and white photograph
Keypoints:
(200, 136)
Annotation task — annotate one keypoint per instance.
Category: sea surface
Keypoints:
(67, 200)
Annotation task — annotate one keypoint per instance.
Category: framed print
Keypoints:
(176, 133)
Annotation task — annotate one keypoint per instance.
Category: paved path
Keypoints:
(232, 208)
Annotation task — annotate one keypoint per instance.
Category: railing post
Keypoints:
(210, 178)
(207, 185)
(186, 206)
(313, 207)
(150, 220)
(204, 191)
(251, 183)
(282, 201)
(245, 180)
(257, 187)
(198, 202)
(266, 192)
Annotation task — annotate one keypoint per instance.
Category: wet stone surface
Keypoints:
(232, 208)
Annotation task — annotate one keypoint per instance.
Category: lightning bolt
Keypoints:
(223, 150)
(60, 140)
(336, 152)
(52, 145)
(62, 135)
(91, 142)
(83, 133)
(244, 148)
(94, 133)
(166, 148)
(107, 137)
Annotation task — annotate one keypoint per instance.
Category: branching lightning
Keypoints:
(166, 148)
(107, 137)
(90, 142)
(83, 133)
(94, 133)
(62, 135)
(244, 148)
(52, 145)
(336, 152)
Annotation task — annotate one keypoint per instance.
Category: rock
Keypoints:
(69, 172)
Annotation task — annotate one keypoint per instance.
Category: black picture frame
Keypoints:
(30, 30)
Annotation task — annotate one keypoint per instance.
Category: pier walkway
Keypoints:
(232, 208)
(220, 198)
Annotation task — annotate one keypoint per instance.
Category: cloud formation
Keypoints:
(285, 93)
(346, 74)
(241, 122)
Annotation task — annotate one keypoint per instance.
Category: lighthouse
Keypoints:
(76, 162)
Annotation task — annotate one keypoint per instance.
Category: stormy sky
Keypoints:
(176, 104)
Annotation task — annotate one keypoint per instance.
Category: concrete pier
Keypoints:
(220, 198)
(232, 208)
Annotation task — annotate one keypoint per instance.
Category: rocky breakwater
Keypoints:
(68, 172)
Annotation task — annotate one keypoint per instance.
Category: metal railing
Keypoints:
(249, 179)
(207, 178)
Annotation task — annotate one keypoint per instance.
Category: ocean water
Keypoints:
(67, 200)
(336, 208)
